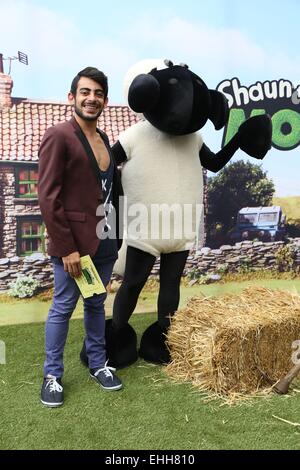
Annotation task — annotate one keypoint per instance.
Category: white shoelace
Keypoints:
(53, 384)
(107, 370)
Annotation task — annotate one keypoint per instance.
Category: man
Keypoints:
(77, 174)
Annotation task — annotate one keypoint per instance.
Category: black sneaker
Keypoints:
(52, 393)
(106, 378)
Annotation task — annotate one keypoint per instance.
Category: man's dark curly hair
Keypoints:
(94, 74)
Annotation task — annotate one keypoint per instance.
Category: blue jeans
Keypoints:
(66, 295)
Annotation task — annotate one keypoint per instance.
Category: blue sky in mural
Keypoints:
(219, 39)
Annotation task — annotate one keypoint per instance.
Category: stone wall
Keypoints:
(11, 208)
(247, 254)
(256, 255)
(36, 265)
(2, 185)
(8, 225)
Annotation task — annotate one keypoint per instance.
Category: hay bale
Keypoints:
(222, 344)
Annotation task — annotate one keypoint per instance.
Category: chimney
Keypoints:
(6, 85)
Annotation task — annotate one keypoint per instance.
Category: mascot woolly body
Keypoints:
(162, 159)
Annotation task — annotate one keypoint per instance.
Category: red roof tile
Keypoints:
(22, 127)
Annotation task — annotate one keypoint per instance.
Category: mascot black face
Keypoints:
(174, 100)
(183, 104)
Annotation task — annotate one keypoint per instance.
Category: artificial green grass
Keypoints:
(150, 412)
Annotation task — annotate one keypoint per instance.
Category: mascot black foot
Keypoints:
(121, 346)
(153, 346)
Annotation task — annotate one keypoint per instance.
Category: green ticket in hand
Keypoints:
(89, 281)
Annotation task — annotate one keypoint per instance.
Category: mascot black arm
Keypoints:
(253, 137)
(119, 153)
(216, 161)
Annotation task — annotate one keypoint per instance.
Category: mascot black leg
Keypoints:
(121, 340)
(153, 347)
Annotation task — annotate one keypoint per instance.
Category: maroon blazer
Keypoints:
(69, 189)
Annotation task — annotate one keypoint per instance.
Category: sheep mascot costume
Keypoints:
(162, 158)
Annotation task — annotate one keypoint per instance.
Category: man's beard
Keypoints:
(87, 118)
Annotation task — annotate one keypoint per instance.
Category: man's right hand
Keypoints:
(72, 264)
